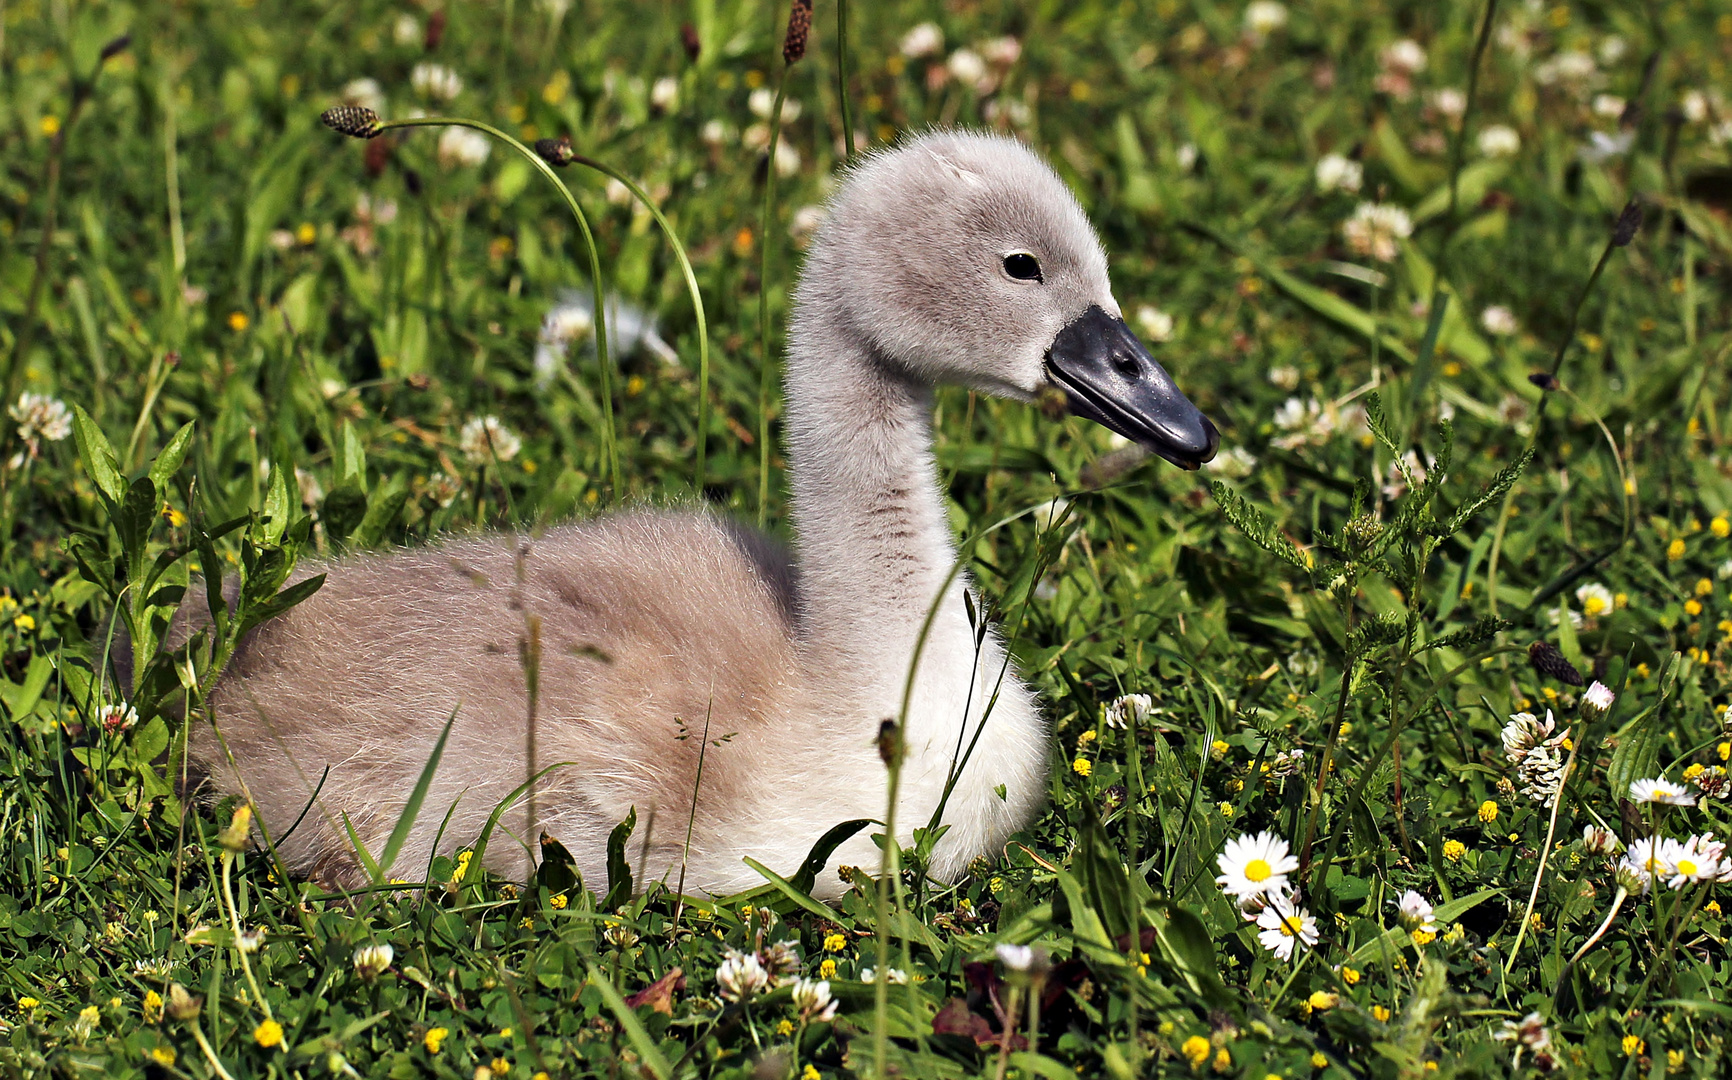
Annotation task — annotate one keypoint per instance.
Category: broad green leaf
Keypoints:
(168, 462)
(98, 455)
(619, 884)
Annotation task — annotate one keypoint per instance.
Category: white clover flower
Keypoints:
(762, 102)
(1255, 864)
(1337, 173)
(1375, 228)
(1660, 790)
(1186, 157)
(740, 977)
(485, 439)
(463, 146)
(372, 960)
(1282, 924)
(787, 159)
(893, 976)
(1693, 106)
(1406, 56)
(1613, 49)
(251, 941)
(40, 418)
(1155, 324)
(1499, 141)
(1530, 1031)
(443, 489)
(1235, 463)
(665, 93)
(1127, 708)
(1286, 376)
(435, 81)
(1001, 51)
(1687, 862)
(117, 717)
(1449, 102)
(714, 133)
(365, 93)
(966, 66)
(1262, 18)
(406, 30)
(781, 958)
(1416, 913)
(1573, 69)
(1019, 958)
(1599, 840)
(1499, 321)
(924, 40)
(1523, 732)
(1610, 106)
(1595, 600)
(812, 1000)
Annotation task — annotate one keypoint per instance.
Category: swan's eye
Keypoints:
(1022, 266)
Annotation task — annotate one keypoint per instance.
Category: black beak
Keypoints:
(1109, 377)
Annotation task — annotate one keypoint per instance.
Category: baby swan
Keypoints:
(955, 258)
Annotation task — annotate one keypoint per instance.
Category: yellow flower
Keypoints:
(1350, 976)
(1712, 907)
(1694, 771)
(238, 321)
(1720, 526)
(1380, 1014)
(1704, 587)
(1082, 766)
(462, 867)
(1197, 1049)
(1323, 1000)
(435, 1038)
(835, 942)
(268, 1034)
(28, 1003)
(51, 126)
(1223, 1060)
(1674, 1060)
(24, 623)
(827, 969)
(163, 1055)
(1634, 1045)
(1226, 810)
(306, 234)
(1488, 811)
(1621, 600)
(784, 1027)
(1453, 850)
(1086, 737)
(152, 1007)
(1643, 671)
(810, 1072)
(1218, 749)
(1675, 550)
(527, 923)
(558, 901)
(1692, 608)
(1318, 1060)
(1423, 937)
(1725, 751)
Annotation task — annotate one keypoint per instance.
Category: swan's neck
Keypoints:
(873, 534)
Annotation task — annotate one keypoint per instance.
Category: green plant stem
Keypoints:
(234, 913)
(889, 873)
(767, 362)
(610, 447)
(1617, 902)
(842, 76)
(1545, 854)
(209, 1053)
(1665, 960)
(691, 279)
(1334, 735)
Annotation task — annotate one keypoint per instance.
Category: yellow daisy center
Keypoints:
(1654, 864)
(1290, 926)
(1594, 606)
(1257, 870)
(1687, 867)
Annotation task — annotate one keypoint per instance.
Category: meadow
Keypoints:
(1448, 618)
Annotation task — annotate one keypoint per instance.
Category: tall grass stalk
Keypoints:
(766, 360)
(842, 77)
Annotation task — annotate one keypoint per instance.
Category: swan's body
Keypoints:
(653, 624)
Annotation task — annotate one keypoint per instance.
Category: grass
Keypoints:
(182, 244)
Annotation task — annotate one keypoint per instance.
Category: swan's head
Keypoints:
(963, 258)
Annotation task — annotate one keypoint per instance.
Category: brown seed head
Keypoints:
(890, 746)
(690, 42)
(352, 120)
(1548, 661)
(1545, 380)
(799, 29)
(1629, 223)
(556, 152)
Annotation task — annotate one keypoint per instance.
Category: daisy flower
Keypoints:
(1282, 923)
(1255, 864)
(1660, 790)
(1416, 913)
(1687, 862)
(1640, 863)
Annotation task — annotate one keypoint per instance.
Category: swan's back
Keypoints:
(631, 611)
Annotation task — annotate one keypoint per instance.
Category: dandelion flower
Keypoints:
(1252, 865)
(1196, 1048)
(1282, 924)
(1660, 790)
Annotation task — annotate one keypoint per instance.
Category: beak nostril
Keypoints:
(1128, 366)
